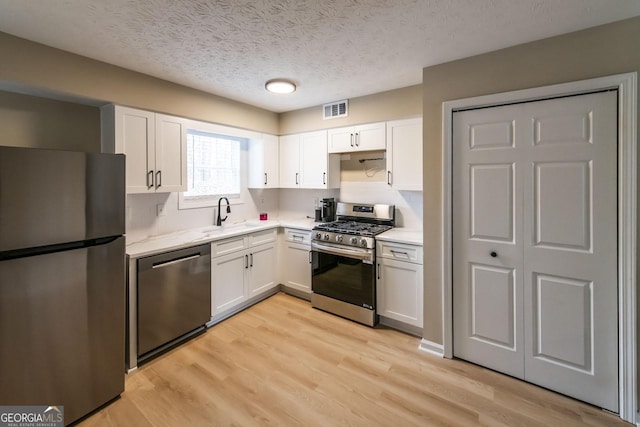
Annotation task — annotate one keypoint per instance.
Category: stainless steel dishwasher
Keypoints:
(174, 298)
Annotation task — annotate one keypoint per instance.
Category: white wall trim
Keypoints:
(432, 347)
(626, 84)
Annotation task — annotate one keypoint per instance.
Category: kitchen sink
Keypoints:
(214, 231)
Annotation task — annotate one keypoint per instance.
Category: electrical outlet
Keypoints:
(160, 209)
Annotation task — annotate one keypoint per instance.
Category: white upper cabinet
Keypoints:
(357, 138)
(171, 154)
(404, 154)
(155, 146)
(290, 161)
(264, 162)
(305, 163)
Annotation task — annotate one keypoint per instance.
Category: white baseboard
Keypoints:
(432, 347)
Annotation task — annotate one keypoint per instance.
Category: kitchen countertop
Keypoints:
(195, 236)
(410, 236)
(299, 223)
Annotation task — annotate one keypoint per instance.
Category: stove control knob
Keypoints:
(318, 235)
(353, 240)
(339, 238)
(326, 236)
(363, 243)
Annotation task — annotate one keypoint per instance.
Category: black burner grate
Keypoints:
(355, 228)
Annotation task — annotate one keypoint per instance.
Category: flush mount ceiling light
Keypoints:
(280, 86)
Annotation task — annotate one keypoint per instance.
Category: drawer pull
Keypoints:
(399, 252)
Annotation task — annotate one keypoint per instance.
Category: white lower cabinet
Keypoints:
(296, 268)
(241, 268)
(227, 282)
(399, 286)
(261, 274)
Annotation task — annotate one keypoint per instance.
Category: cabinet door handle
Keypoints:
(149, 181)
(297, 174)
(388, 177)
(357, 139)
(251, 258)
(351, 139)
(378, 271)
(158, 179)
(310, 257)
(246, 261)
(265, 178)
(324, 178)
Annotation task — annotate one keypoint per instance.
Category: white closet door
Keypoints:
(488, 315)
(570, 254)
(535, 249)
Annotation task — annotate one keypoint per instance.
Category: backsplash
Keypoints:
(300, 203)
(143, 220)
(408, 203)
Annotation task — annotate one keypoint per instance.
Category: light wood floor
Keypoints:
(283, 363)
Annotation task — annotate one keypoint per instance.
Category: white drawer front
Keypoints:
(262, 237)
(297, 236)
(400, 252)
(227, 246)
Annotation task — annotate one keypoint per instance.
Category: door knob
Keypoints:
(493, 254)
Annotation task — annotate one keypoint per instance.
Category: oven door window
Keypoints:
(345, 279)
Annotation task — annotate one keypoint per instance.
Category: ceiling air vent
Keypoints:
(335, 109)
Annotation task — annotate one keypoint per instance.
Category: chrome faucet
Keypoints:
(219, 220)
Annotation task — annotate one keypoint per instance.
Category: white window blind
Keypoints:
(213, 165)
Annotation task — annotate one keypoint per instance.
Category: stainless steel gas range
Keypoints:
(344, 259)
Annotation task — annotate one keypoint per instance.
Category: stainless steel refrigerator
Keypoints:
(62, 279)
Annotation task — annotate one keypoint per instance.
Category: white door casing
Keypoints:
(627, 216)
(535, 259)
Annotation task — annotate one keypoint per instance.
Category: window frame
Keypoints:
(245, 136)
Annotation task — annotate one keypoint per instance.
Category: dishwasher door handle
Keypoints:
(175, 261)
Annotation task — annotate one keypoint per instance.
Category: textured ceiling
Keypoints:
(332, 49)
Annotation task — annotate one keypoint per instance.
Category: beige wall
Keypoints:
(601, 51)
(29, 121)
(42, 69)
(390, 105)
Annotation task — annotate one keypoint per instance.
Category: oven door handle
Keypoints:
(346, 252)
